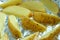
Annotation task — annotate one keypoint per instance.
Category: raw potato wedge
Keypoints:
(4, 37)
(32, 25)
(2, 22)
(50, 35)
(34, 6)
(10, 3)
(14, 27)
(51, 6)
(45, 18)
(17, 11)
(31, 37)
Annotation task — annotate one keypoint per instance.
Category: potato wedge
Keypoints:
(14, 27)
(45, 18)
(17, 11)
(32, 25)
(2, 22)
(59, 13)
(10, 3)
(31, 37)
(4, 37)
(51, 6)
(34, 6)
(50, 35)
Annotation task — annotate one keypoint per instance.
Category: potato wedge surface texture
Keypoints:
(14, 27)
(50, 35)
(34, 6)
(32, 25)
(10, 3)
(31, 37)
(17, 11)
(46, 18)
(51, 6)
(2, 23)
(5, 37)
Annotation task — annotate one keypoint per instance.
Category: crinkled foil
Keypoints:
(27, 32)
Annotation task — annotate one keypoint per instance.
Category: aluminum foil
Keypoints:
(27, 32)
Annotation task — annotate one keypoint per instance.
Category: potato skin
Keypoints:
(5, 37)
(31, 37)
(51, 6)
(10, 3)
(50, 35)
(34, 6)
(15, 32)
(32, 25)
(45, 18)
(2, 22)
(17, 11)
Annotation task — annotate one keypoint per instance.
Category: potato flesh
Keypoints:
(50, 35)
(34, 6)
(2, 22)
(17, 11)
(32, 25)
(4, 37)
(45, 18)
(51, 6)
(13, 26)
(31, 37)
(10, 3)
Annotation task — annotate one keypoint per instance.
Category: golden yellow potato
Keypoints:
(31, 37)
(34, 6)
(10, 3)
(30, 24)
(45, 18)
(51, 6)
(4, 37)
(2, 22)
(50, 35)
(14, 27)
(17, 11)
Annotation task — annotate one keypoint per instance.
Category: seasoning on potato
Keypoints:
(32, 25)
(14, 27)
(45, 18)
